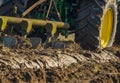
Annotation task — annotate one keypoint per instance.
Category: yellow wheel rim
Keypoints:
(106, 29)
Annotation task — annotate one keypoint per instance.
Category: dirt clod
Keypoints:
(67, 65)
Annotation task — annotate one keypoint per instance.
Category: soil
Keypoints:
(70, 64)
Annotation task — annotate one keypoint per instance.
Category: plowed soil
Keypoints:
(67, 65)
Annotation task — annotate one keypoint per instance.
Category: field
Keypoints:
(70, 64)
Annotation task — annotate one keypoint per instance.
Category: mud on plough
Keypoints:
(51, 26)
(27, 24)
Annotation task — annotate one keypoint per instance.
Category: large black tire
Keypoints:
(117, 38)
(89, 21)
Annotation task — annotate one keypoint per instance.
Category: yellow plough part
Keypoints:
(28, 23)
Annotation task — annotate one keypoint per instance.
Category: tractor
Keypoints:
(94, 22)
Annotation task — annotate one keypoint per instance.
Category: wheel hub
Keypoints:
(106, 29)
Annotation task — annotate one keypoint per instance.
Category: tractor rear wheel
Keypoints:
(97, 21)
